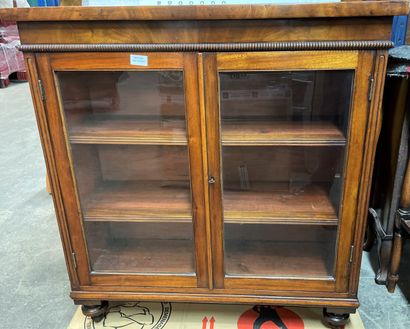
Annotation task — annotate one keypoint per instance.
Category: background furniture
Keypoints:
(399, 32)
(212, 154)
(11, 59)
(390, 198)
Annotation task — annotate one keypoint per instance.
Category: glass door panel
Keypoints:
(281, 107)
(279, 250)
(129, 151)
(129, 107)
(283, 136)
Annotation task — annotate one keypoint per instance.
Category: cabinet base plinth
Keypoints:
(95, 312)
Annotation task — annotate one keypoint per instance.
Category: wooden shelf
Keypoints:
(268, 203)
(279, 259)
(139, 202)
(145, 256)
(129, 131)
(254, 133)
(152, 202)
(234, 133)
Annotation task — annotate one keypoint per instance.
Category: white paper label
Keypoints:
(139, 60)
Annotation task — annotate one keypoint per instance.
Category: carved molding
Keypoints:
(211, 47)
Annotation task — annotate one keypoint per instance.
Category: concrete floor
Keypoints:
(34, 285)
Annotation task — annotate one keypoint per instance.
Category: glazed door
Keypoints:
(129, 165)
(285, 144)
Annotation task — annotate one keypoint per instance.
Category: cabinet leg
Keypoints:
(95, 312)
(393, 276)
(335, 320)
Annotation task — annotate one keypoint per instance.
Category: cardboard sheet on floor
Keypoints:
(206, 316)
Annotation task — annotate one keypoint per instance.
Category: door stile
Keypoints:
(196, 167)
(214, 166)
(205, 171)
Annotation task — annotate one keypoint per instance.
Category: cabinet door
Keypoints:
(285, 143)
(129, 165)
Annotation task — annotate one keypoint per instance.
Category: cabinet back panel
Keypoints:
(280, 164)
(125, 162)
(87, 168)
(122, 94)
(282, 233)
(283, 96)
(151, 163)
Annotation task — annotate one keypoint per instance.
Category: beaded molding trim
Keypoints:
(211, 47)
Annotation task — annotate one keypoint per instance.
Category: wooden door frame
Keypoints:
(362, 63)
(64, 176)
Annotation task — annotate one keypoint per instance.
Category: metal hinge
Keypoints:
(351, 254)
(371, 84)
(74, 256)
(42, 92)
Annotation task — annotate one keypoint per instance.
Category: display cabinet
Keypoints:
(210, 153)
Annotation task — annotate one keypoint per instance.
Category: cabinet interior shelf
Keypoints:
(151, 255)
(153, 202)
(274, 203)
(129, 131)
(312, 258)
(234, 133)
(249, 133)
(132, 201)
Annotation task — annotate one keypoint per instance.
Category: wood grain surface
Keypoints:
(281, 133)
(342, 9)
(170, 132)
(114, 33)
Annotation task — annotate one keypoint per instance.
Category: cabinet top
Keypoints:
(352, 8)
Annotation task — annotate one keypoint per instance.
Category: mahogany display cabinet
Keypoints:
(217, 154)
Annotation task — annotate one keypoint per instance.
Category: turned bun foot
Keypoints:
(335, 320)
(95, 312)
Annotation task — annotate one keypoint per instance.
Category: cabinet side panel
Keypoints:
(355, 163)
(64, 168)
